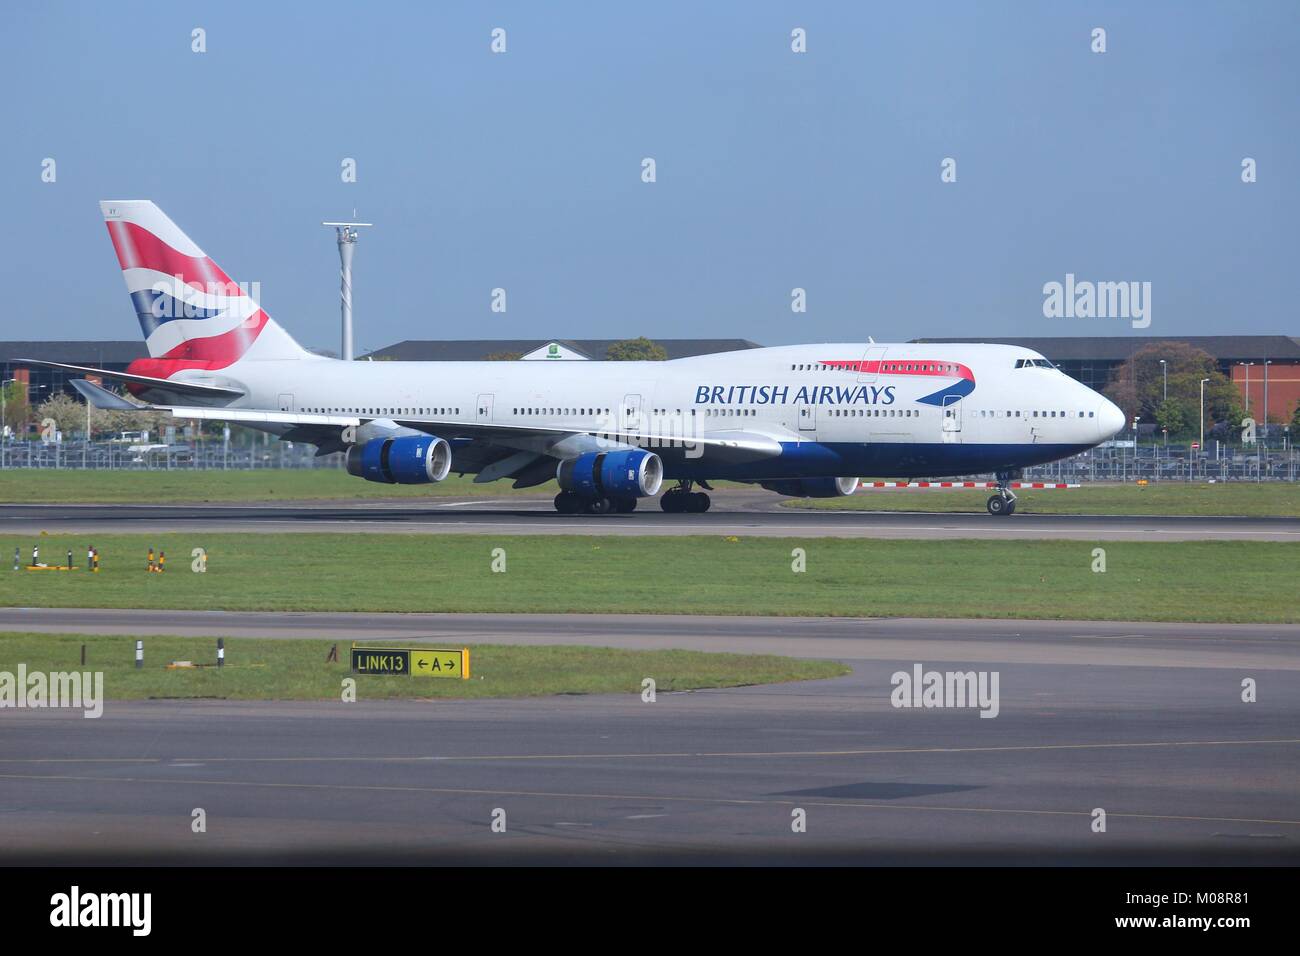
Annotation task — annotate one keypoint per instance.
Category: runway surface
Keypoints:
(1144, 721)
(734, 513)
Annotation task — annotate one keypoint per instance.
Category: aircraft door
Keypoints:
(286, 401)
(483, 410)
(631, 413)
(951, 418)
(807, 418)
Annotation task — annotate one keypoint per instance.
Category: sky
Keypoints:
(774, 170)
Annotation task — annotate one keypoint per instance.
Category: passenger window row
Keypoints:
(985, 413)
(382, 411)
(947, 367)
(559, 411)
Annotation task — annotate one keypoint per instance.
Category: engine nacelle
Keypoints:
(813, 487)
(408, 460)
(613, 474)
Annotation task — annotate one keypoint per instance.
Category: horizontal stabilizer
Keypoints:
(102, 397)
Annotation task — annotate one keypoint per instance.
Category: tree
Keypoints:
(17, 412)
(636, 350)
(70, 417)
(1174, 417)
(503, 356)
(69, 414)
(1138, 386)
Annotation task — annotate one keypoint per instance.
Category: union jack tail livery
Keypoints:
(192, 315)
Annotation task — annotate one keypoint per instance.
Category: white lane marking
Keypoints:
(462, 504)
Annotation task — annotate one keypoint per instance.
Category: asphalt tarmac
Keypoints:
(1142, 721)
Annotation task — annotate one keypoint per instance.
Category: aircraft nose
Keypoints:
(1109, 419)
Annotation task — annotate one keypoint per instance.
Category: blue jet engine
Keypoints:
(408, 460)
(614, 474)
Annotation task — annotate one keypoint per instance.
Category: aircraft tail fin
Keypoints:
(192, 315)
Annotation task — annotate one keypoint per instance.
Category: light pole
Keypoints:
(1164, 371)
(1267, 363)
(1246, 366)
(56, 447)
(1203, 381)
(1136, 462)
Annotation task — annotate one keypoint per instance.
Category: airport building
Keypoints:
(42, 382)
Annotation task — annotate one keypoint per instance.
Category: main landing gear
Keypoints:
(571, 503)
(1004, 502)
(681, 500)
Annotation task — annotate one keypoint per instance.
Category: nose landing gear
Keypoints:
(1004, 502)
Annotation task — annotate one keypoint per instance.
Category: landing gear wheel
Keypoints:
(598, 506)
(681, 500)
(567, 503)
(1004, 502)
(624, 506)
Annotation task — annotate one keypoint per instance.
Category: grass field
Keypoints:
(258, 669)
(1177, 581)
(1244, 498)
(57, 486)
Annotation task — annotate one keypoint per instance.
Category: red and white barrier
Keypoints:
(1032, 485)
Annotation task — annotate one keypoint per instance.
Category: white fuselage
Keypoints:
(837, 409)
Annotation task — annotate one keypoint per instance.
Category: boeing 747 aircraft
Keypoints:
(803, 420)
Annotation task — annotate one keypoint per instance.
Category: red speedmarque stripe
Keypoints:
(898, 367)
(215, 352)
(137, 248)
